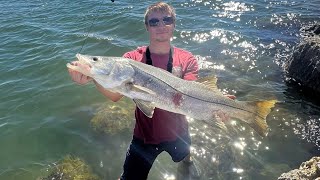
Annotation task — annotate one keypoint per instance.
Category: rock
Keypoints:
(310, 31)
(70, 168)
(112, 118)
(309, 170)
(303, 66)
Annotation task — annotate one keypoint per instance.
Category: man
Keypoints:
(165, 131)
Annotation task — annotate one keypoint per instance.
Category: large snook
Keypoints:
(152, 87)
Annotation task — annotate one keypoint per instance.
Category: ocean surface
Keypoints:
(44, 116)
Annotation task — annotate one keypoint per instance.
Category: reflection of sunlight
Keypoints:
(276, 19)
(201, 37)
(221, 152)
(184, 34)
(214, 159)
(216, 33)
(230, 91)
(238, 170)
(169, 177)
(233, 10)
(233, 123)
(203, 63)
(309, 130)
(247, 45)
(189, 119)
(193, 150)
(257, 144)
(240, 145)
(237, 6)
(219, 67)
(283, 19)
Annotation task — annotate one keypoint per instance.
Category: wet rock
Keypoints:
(112, 118)
(303, 67)
(309, 170)
(310, 31)
(70, 168)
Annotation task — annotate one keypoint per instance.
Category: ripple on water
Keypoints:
(243, 43)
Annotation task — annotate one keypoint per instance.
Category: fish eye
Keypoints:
(95, 59)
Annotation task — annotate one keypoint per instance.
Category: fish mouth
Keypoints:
(82, 59)
(78, 56)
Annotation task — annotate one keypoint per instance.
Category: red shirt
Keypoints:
(164, 125)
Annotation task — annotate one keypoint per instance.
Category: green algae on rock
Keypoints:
(70, 168)
(112, 118)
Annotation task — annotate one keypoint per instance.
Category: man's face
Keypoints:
(160, 26)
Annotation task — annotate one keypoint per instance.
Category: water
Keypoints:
(45, 116)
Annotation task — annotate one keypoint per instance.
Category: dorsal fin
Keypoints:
(210, 82)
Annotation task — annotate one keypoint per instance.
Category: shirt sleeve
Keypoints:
(192, 68)
(137, 54)
(127, 55)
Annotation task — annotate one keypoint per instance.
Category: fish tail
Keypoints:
(262, 109)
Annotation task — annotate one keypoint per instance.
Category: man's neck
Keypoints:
(160, 48)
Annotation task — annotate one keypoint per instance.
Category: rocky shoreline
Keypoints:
(309, 170)
(303, 69)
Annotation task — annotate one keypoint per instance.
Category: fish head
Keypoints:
(99, 65)
(109, 72)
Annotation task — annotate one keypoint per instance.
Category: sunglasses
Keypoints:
(156, 22)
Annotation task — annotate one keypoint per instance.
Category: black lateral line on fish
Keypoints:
(199, 98)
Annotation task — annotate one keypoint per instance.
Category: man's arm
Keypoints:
(82, 79)
(110, 95)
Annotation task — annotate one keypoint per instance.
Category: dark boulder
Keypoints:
(303, 67)
(310, 31)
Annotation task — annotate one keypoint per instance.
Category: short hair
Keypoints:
(160, 7)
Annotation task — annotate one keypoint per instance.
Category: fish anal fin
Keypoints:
(146, 107)
(210, 82)
(221, 125)
(216, 124)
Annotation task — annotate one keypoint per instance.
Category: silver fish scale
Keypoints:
(164, 83)
(147, 83)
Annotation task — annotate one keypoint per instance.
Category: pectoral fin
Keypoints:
(146, 107)
(141, 89)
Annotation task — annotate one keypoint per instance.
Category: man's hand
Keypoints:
(220, 115)
(233, 97)
(78, 77)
